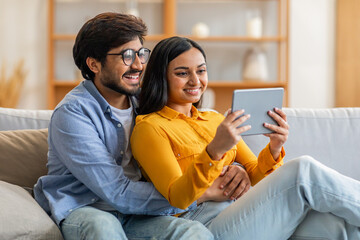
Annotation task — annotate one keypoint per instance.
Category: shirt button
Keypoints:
(119, 125)
(178, 154)
(93, 200)
(70, 210)
(108, 110)
(121, 152)
(210, 164)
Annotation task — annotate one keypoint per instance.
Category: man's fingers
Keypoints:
(235, 182)
(225, 168)
(247, 188)
(241, 190)
(232, 186)
(227, 177)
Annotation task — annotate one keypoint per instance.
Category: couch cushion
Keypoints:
(22, 218)
(23, 156)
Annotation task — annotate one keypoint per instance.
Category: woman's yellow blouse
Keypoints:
(171, 150)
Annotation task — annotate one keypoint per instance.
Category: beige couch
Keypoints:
(23, 157)
(332, 136)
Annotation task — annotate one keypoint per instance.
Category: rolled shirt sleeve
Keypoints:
(257, 167)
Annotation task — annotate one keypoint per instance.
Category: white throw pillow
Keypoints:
(22, 218)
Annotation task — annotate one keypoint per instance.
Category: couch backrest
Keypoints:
(14, 119)
(332, 136)
(23, 145)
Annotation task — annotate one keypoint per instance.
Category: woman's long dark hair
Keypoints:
(154, 89)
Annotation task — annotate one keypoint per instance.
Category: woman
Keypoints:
(183, 152)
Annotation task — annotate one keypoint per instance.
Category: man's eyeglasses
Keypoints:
(129, 55)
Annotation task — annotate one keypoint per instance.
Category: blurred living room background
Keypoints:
(306, 46)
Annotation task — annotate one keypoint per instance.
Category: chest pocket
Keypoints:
(187, 153)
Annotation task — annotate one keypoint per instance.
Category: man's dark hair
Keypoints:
(154, 96)
(101, 34)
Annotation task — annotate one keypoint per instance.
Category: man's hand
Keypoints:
(232, 183)
(235, 181)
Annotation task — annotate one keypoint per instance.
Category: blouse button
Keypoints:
(210, 164)
(119, 125)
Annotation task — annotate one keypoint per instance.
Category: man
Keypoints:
(93, 188)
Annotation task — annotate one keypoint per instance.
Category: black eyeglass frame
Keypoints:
(134, 55)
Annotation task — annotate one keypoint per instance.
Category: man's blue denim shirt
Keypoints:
(85, 144)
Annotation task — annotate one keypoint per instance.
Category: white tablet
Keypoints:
(257, 102)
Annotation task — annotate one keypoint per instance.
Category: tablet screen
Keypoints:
(257, 102)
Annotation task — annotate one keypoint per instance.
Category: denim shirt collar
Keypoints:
(104, 105)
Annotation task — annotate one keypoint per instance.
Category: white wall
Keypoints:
(23, 32)
(312, 53)
(23, 29)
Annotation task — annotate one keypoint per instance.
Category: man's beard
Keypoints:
(120, 89)
(111, 82)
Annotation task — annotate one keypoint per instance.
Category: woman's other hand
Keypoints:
(280, 133)
(227, 134)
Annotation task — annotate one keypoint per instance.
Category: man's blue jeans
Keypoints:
(301, 200)
(93, 224)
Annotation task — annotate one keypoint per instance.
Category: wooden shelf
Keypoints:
(221, 1)
(223, 88)
(245, 84)
(68, 37)
(71, 37)
(65, 83)
(238, 39)
(217, 84)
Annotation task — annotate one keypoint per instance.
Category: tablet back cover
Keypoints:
(257, 102)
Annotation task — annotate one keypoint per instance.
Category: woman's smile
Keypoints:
(193, 91)
(187, 80)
